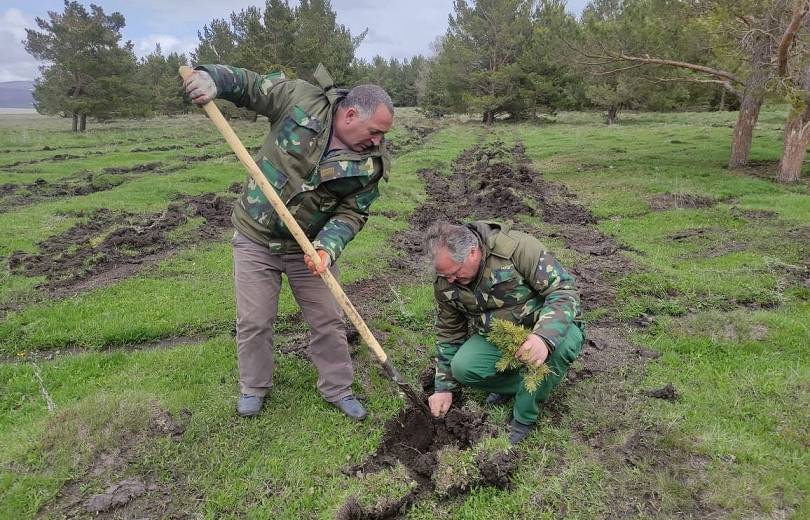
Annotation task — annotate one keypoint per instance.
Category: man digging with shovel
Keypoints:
(486, 271)
(324, 157)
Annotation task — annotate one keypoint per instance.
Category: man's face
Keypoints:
(360, 134)
(462, 273)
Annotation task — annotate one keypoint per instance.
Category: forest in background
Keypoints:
(501, 59)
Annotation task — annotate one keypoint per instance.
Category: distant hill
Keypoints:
(16, 94)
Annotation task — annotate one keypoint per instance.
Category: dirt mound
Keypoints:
(13, 196)
(493, 182)
(413, 137)
(418, 442)
(667, 201)
(140, 168)
(111, 245)
(668, 393)
(54, 158)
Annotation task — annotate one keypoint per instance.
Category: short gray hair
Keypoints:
(459, 241)
(366, 98)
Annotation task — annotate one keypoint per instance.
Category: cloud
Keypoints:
(398, 30)
(168, 44)
(15, 63)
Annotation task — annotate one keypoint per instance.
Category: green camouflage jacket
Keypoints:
(328, 192)
(518, 281)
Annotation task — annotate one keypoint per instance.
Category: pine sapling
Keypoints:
(508, 337)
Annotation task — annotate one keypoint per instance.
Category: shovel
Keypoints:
(334, 287)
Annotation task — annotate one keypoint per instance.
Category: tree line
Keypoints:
(502, 59)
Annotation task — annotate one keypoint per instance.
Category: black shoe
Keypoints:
(518, 431)
(494, 399)
(350, 406)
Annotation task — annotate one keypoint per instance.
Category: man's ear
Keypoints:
(350, 114)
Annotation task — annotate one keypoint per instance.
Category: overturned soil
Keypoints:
(680, 200)
(13, 196)
(108, 489)
(415, 439)
(493, 182)
(413, 137)
(54, 158)
(110, 246)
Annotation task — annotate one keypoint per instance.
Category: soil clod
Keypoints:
(667, 393)
(416, 440)
(115, 496)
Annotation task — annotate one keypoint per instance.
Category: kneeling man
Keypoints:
(486, 271)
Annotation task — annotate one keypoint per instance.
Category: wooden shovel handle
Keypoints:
(247, 161)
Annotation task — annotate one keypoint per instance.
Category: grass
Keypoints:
(730, 323)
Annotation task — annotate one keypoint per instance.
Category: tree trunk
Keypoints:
(75, 127)
(751, 102)
(744, 130)
(488, 117)
(612, 115)
(82, 122)
(797, 137)
(722, 106)
(255, 117)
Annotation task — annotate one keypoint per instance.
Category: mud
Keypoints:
(415, 439)
(109, 246)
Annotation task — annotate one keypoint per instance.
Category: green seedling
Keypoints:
(508, 337)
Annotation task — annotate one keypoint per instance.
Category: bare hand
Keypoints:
(440, 402)
(533, 351)
(326, 261)
(200, 87)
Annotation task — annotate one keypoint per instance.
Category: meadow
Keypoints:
(117, 351)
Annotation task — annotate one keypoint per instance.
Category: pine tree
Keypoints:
(90, 72)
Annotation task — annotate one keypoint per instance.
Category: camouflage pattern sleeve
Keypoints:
(561, 306)
(443, 380)
(349, 218)
(557, 287)
(451, 332)
(245, 88)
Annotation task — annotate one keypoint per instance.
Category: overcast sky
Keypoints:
(397, 28)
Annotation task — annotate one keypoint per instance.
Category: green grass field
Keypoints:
(724, 285)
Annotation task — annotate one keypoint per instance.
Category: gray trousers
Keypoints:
(257, 276)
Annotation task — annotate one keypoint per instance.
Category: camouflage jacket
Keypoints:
(518, 281)
(328, 192)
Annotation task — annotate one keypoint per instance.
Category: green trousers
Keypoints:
(474, 365)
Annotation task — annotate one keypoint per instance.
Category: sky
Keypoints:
(397, 28)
